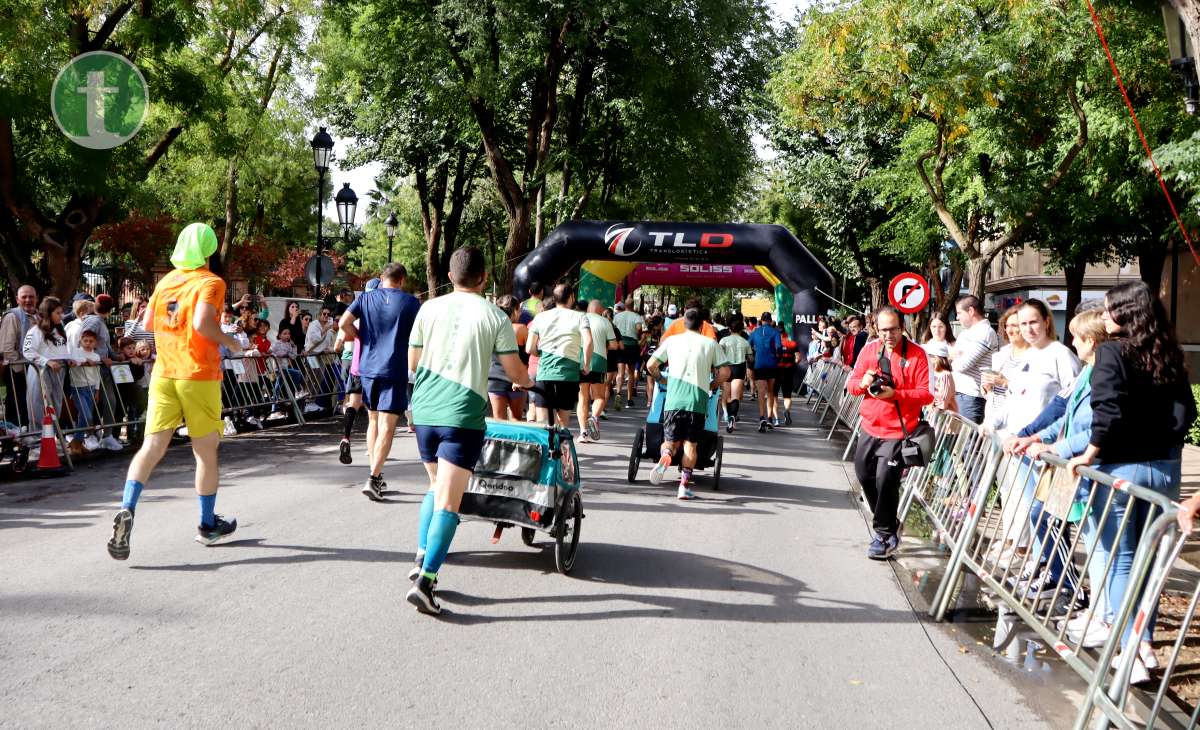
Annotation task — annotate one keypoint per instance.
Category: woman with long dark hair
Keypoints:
(293, 322)
(1142, 407)
(47, 348)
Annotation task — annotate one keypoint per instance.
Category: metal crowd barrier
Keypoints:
(100, 400)
(1031, 537)
(827, 393)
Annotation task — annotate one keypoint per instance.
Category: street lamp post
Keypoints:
(322, 147)
(1183, 56)
(347, 203)
(391, 223)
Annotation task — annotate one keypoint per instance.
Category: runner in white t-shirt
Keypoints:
(629, 325)
(451, 346)
(593, 390)
(561, 338)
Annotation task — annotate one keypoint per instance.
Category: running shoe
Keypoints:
(604, 415)
(660, 469)
(787, 418)
(118, 545)
(585, 439)
(375, 487)
(220, 529)
(91, 443)
(593, 428)
(685, 493)
(729, 425)
(892, 543)
(771, 424)
(762, 425)
(344, 452)
(880, 548)
(422, 598)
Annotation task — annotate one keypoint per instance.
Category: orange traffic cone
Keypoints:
(48, 463)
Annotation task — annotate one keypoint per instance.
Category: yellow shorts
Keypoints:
(196, 403)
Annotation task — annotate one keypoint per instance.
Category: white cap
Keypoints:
(937, 349)
(672, 310)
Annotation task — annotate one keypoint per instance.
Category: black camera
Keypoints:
(880, 381)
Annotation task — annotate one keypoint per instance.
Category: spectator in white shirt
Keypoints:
(972, 353)
(320, 336)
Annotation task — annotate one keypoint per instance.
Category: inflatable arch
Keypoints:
(610, 250)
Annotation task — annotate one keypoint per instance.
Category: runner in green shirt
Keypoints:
(697, 364)
(738, 352)
(593, 390)
(450, 350)
(559, 335)
(630, 325)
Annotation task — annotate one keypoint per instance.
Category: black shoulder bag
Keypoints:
(917, 446)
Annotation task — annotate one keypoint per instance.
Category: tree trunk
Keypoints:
(1074, 275)
(64, 264)
(231, 221)
(517, 244)
(1151, 260)
(538, 218)
(977, 272)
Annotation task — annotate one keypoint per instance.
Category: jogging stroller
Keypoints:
(528, 476)
(647, 443)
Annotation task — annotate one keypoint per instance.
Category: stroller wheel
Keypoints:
(566, 536)
(527, 535)
(635, 455)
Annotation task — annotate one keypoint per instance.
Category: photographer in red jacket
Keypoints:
(893, 374)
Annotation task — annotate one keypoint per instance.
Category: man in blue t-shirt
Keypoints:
(767, 345)
(385, 319)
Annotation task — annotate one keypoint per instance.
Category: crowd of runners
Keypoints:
(448, 364)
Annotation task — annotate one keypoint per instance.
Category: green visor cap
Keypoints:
(193, 247)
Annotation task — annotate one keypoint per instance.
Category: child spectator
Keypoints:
(942, 380)
(85, 388)
(82, 308)
(133, 395)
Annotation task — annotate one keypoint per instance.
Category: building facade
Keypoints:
(1022, 275)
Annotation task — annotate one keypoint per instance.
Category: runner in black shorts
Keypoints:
(561, 339)
(737, 352)
(785, 376)
(354, 392)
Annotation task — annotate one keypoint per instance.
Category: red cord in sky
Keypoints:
(1138, 125)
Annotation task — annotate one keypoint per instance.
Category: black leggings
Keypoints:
(879, 469)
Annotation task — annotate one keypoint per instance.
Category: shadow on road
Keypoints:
(653, 568)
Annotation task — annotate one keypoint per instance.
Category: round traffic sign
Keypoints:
(319, 270)
(909, 293)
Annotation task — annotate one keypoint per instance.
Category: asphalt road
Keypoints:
(754, 607)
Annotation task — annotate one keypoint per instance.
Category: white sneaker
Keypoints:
(593, 428)
(1147, 655)
(91, 443)
(112, 444)
(230, 429)
(254, 421)
(312, 408)
(1139, 675)
(660, 469)
(1091, 635)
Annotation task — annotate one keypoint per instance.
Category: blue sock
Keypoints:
(133, 491)
(426, 516)
(208, 503)
(441, 534)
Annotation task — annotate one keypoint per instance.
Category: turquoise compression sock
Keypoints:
(441, 534)
(208, 503)
(426, 516)
(133, 492)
